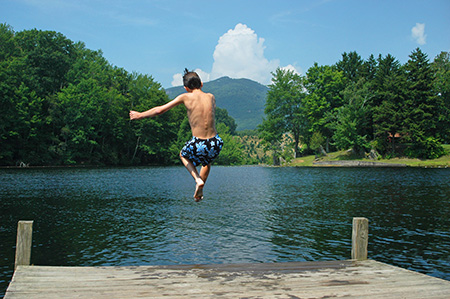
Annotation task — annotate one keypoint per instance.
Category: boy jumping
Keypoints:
(205, 144)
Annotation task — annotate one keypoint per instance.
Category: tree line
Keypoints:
(64, 104)
(376, 105)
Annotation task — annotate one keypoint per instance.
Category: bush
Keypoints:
(429, 148)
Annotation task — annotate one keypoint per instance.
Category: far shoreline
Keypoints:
(356, 163)
(345, 159)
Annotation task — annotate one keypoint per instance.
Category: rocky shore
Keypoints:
(346, 163)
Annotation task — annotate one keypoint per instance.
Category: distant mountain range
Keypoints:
(244, 99)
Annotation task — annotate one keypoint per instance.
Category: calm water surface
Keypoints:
(146, 216)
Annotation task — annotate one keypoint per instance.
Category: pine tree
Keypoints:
(441, 86)
(351, 66)
(388, 103)
(421, 107)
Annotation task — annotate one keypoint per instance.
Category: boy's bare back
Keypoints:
(201, 108)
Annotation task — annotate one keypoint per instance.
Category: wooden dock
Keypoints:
(329, 279)
(355, 278)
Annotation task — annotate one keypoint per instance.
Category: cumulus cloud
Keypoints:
(292, 68)
(203, 75)
(418, 34)
(239, 53)
(178, 78)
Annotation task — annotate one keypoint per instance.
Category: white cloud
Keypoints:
(418, 33)
(239, 53)
(204, 76)
(178, 77)
(292, 68)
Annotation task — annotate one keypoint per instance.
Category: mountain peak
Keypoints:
(244, 99)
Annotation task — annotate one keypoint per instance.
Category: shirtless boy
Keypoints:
(205, 144)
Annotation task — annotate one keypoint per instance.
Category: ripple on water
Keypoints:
(136, 216)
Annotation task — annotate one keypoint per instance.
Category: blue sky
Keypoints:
(240, 39)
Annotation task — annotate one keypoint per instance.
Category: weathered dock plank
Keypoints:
(350, 279)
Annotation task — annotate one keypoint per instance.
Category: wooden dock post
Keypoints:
(23, 244)
(360, 238)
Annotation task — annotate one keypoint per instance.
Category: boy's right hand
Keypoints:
(134, 115)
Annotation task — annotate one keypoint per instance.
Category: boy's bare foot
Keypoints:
(198, 195)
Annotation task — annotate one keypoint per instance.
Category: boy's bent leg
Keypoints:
(199, 183)
(204, 172)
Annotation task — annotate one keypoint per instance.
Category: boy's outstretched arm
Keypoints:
(156, 110)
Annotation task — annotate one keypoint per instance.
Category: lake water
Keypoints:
(147, 216)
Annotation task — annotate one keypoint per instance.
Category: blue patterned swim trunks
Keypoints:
(202, 151)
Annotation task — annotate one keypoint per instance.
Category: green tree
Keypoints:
(316, 143)
(89, 115)
(222, 116)
(184, 134)
(271, 134)
(369, 68)
(324, 85)
(441, 87)
(31, 120)
(8, 44)
(65, 104)
(351, 66)
(153, 137)
(282, 109)
(10, 66)
(352, 128)
(48, 57)
(24, 123)
(421, 123)
(82, 109)
(232, 152)
(388, 103)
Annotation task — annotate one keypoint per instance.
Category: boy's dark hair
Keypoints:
(191, 80)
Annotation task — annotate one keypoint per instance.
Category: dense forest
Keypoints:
(375, 106)
(63, 104)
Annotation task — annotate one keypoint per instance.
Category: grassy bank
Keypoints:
(443, 161)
